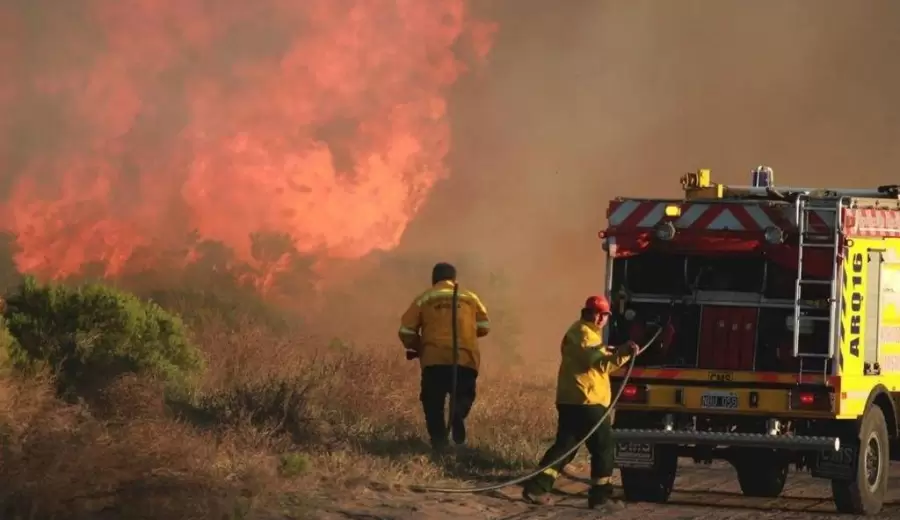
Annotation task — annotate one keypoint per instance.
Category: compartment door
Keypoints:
(727, 338)
(743, 337)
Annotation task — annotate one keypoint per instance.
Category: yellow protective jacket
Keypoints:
(426, 326)
(585, 366)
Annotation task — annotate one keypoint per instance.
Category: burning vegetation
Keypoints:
(132, 134)
(217, 163)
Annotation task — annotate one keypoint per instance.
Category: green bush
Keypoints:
(8, 344)
(90, 334)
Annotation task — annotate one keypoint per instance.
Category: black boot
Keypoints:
(600, 495)
(439, 445)
(459, 431)
(535, 496)
(537, 490)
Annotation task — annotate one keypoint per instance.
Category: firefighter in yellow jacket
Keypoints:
(426, 330)
(582, 397)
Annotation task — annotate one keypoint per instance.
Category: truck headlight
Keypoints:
(774, 235)
(665, 231)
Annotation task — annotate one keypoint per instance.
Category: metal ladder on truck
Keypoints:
(802, 209)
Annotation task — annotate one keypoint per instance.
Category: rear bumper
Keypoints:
(647, 449)
(734, 440)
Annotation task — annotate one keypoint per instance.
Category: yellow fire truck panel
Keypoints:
(870, 295)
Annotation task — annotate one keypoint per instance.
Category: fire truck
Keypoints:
(780, 350)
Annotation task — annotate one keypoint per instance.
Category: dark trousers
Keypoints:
(573, 424)
(437, 384)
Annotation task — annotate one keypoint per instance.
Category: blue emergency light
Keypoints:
(763, 177)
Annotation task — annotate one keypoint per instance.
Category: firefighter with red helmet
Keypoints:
(583, 396)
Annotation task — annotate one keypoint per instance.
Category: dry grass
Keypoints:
(61, 461)
(273, 417)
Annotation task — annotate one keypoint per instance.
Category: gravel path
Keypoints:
(702, 492)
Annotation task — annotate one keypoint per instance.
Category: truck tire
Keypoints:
(761, 473)
(654, 484)
(864, 494)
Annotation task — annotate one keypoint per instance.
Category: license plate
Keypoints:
(838, 465)
(634, 455)
(725, 400)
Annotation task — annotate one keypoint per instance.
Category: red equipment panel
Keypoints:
(727, 338)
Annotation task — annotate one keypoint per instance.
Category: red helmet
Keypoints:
(597, 303)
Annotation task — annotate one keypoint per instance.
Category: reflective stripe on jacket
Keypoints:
(585, 366)
(426, 326)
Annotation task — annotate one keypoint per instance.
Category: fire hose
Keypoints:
(454, 378)
(561, 458)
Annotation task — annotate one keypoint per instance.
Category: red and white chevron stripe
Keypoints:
(632, 214)
(871, 222)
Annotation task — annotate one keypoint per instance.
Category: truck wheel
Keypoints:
(761, 473)
(864, 494)
(654, 484)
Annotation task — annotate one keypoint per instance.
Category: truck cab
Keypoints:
(779, 327)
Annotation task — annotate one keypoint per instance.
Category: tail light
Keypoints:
(812, 401)
(634, 394)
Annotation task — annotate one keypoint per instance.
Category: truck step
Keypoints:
(814, 282)
(813, 318)
(816, 355)
(740, 440)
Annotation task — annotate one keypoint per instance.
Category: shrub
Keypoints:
(90, 334)
(292, 464)
(60, 462)
(8, 345)
(276, 407)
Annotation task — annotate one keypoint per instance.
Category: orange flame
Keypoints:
(126, 125)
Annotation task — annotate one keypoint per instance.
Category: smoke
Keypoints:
(349, 127)
(587, 100)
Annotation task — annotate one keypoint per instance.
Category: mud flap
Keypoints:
(836, 465)
(634, 455)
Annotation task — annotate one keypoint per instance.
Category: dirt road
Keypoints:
(702, 492)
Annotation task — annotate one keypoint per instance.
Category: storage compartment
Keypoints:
(672, 274)
(651, 273)
(734, 273)
(681, 322)
(727, 312)
(780, 284)
(775, 343)
(727, 338)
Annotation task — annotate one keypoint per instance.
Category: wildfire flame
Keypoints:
(126, 125)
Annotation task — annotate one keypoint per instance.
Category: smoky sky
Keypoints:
(580, 101)
(584, 100)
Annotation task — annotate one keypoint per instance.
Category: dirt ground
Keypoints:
(702, 492)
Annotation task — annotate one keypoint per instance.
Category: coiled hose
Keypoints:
(519, 480)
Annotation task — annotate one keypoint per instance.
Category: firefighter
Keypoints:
(582, 397)
(426, 332)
